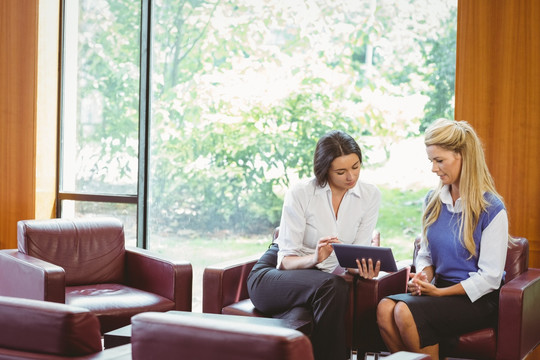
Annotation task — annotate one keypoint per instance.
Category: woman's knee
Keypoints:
(385, 311)
(402, 315)
(332, 286)
(339, 285)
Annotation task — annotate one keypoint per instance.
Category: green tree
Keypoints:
(440, 59)
(242, 90)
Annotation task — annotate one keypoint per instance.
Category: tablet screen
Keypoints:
(348, 253)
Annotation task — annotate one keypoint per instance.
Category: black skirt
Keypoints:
(441, 320)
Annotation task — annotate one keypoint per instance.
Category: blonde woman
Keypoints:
(460, 265)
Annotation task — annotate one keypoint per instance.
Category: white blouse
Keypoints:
(308, 215)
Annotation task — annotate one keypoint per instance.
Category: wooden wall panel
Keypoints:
(498, 92)
(18, 40)
(29, 37)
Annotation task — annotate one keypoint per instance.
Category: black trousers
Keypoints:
(322, 295)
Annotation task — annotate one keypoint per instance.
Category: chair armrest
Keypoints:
(25, 276)
(36, 326)
(370, 291)
(519, 316)
(169, 278)
(225, 284)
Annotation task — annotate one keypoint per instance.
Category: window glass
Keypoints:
(242, 90)
(240, 93)
(100, 96)
(127, 213)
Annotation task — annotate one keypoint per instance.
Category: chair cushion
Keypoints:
(480, 344)
(115, 304)
(90, 250)
(243, 307)
(47, 327)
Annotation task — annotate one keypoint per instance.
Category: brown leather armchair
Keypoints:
(518, 329)
(225, 292)
(84, 262)
(33, 329)
(167, 336)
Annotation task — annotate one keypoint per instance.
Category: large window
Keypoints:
(100, 110)
(189, 119)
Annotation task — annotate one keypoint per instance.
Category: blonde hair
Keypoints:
(475, 179)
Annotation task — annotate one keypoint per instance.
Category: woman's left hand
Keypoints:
(421, 286)
(366, 269)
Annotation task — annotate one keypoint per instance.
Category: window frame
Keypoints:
(140, 198)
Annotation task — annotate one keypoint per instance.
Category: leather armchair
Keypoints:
(518, 330)
(225, 292)
(167, 336)
(84, 262)
(33, 329)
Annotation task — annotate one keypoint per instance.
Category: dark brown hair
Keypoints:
(331, 145)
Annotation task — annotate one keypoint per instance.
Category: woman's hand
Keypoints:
(415, 279)
(322, 252)
(427, 288)
(324, 248)
(366, 269)
(420, 283)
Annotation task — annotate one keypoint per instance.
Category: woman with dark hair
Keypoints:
(295, 278)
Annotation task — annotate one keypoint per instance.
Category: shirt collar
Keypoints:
(446, 198)
(356, 190)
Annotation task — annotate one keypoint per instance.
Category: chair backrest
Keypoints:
(90, 250)
(517, 258)
(175, 336)
(36, 326)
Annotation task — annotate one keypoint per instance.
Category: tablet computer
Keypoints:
(348, 253)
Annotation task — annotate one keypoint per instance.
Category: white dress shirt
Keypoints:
(308, 215)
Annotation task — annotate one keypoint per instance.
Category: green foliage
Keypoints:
(440, 58)
(241, 92)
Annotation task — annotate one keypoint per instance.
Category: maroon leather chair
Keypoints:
(225, 292)
(518, 329)
(84, 262)
(33, 329)
(166, 336)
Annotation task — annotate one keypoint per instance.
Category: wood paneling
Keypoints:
(18, 41)
(28, 105)
(498, 92)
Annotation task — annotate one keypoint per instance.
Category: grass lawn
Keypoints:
(400, 219)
